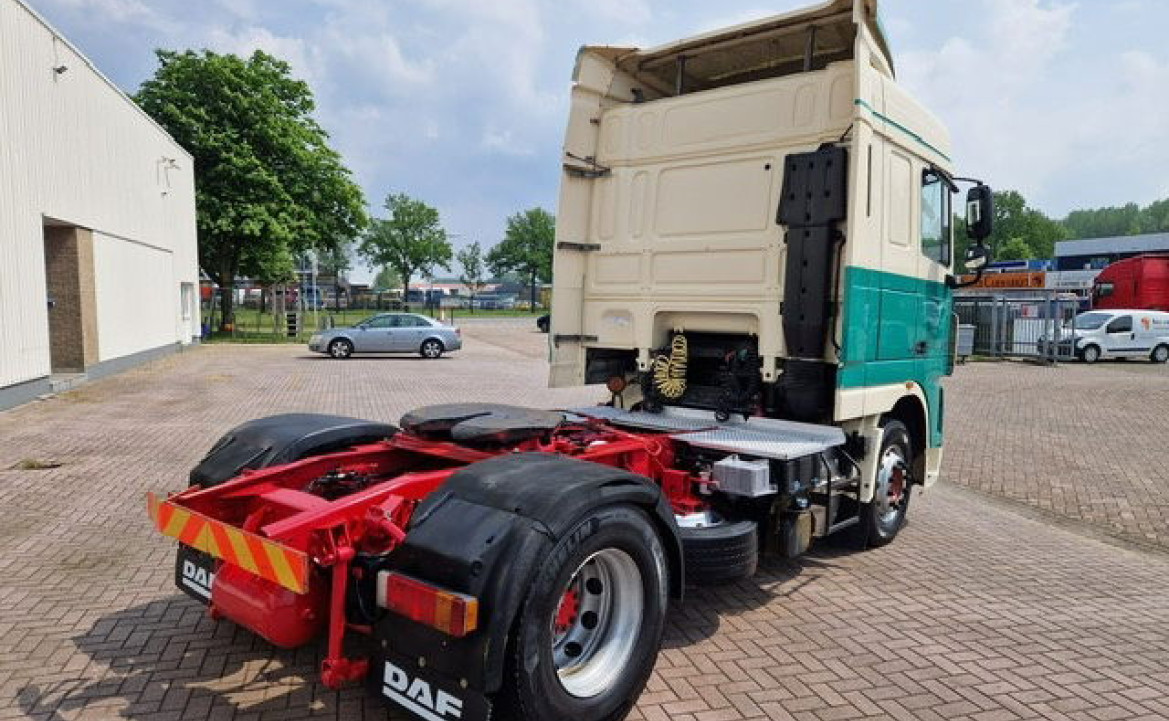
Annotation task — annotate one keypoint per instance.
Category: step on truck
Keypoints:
(754, 256)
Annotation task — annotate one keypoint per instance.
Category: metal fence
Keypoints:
(1037, 324)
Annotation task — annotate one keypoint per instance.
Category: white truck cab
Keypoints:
(757, 220)
(1103, 334)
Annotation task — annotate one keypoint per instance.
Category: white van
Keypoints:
(1122, 334)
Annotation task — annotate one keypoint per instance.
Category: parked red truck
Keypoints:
(1140, 283)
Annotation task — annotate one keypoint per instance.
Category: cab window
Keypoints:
(1122, 324)
(935, 218)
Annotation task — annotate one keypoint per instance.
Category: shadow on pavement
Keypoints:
(167, 658)
(698, 616)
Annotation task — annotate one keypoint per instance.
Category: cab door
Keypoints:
(1120, 338)
(932, 341)
(900, 309)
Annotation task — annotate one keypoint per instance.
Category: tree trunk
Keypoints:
(532, 307)
(226, 306)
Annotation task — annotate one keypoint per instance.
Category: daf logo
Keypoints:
(417, 696)
(197, 578)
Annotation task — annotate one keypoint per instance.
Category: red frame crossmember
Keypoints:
(272, 506)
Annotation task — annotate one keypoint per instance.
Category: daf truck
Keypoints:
(754, 256)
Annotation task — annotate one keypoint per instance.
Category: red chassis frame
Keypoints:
(270, 505)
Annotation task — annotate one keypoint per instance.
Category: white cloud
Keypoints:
(504, 142)
(295, 51)
(625, 12)
(463, 102)
(130, 12)
(993, 88)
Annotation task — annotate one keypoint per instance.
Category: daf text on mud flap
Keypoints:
(417, 696)
(197, 578)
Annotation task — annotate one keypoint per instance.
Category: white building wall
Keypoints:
(75, 149)
(124, 273)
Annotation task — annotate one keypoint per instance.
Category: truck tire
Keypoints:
(720, 553)
(1090, 354)
(590, 627)
(884, 516)
(1160, 354)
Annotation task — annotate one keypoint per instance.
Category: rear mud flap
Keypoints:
(425, 694)
(194, 573)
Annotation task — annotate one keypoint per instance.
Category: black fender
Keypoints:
(486, 531)
(280, 439)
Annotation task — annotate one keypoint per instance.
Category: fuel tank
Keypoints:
(284, 618)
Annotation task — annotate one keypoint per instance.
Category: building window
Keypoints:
(187, 299)
(935, 218)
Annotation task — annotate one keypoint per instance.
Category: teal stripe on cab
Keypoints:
(886, 316)
(908, 131)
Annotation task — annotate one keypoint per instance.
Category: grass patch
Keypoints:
(252, 326)
(35, 464)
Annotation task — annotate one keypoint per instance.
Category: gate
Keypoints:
(1035, 324)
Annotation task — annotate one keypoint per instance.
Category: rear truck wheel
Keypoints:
(1160, 354)
(885, 514)
(341, 349)
(716, 550)
(1090, 354)
(591, 624)
(431, 349)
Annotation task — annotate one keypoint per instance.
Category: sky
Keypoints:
(462, 103)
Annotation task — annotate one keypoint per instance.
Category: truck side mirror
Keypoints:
(977, 256)
(979, 213)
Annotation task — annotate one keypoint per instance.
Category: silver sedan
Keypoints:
(389, 333)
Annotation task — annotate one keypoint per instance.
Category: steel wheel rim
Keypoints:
(891, 484)
(340, 350)
(592, 649)
(430, 349)
(1161, 354)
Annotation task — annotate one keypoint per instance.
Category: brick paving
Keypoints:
(1085, 443)
(975, 613)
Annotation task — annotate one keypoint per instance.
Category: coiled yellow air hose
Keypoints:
(670, 371)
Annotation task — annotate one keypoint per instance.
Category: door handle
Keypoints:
(921, 347)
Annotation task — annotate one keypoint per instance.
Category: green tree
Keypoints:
(474, 274)
(1105, 222)
(1155, 218)
(526, 248)
(386, 279)
(267, 184)
(1014, 219)
(1014, 249)
(410, 241)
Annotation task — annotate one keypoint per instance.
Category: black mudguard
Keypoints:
(282, 439)
(484, 533)
(258, 444)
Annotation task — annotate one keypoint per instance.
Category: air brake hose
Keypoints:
(669, 372)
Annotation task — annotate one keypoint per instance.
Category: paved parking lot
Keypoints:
(976, 612)
(1078, 443)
